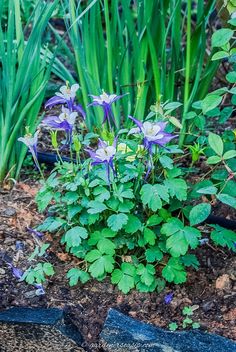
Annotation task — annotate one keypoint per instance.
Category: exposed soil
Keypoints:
(211, 290)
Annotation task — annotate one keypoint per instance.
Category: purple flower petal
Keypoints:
(137, 122)
(18, 273)
(54, 101)
(168, 298)
(80, 110)
(35, 232)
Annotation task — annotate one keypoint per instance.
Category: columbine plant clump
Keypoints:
(122, 205)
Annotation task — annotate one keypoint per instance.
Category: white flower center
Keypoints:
(106, 153)
(151, 131)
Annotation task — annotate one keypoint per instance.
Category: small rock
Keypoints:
(2, 272)
(132, 314)
(9, 212)
(223, 282)
(231, 315)
(30, 294)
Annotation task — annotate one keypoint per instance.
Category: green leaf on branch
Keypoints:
(199, 213)
(216, 143)
(190, 260)
(96, 207)
(101, 264)
(133, 225)
(213, 160)
(227, 199)
(75, 275)
(223, 237)
(174, 271)
(177, 188)
(74, 236)
(149, 236)
(146, 273)
(180, 237)
(153, 254)
(124, 277)
(117, 221)
(229, 154)
(221, 37)
(150, 198)
(210, 102)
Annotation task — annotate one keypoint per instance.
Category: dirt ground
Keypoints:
(211, 290)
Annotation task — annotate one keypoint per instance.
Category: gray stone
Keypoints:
(38, 330)
(124, 334)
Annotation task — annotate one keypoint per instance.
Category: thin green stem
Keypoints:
(109, 47)
(187, 73)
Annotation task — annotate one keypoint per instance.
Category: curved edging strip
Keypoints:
(38, 330)
(122, 333)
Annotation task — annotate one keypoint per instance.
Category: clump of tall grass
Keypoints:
(24, 75)
(152, 50)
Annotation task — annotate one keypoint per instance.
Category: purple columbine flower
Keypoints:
(104, 155)
(67, 96)
(169, 297)
(31, 142)
(105, 101)
(153, 133)
(65, 122)
(35, 232)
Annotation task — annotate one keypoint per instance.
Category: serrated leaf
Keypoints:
(199, 213)
(73, 210)
(101, 193)
(48, 269)
(150, 197)
(224, 237)
(106, 246)
(153, 254)
(117, 221)
(190, 260)
(133, 225)
(75, 275)
(74, 236)
(174, 271)
(101, 264)
(96, 207)
(146, 273)
(180, 238)
(124, 277)
(149, 236)
(154, 220)
(177, 188)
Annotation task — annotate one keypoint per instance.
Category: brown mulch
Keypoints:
(211, 290)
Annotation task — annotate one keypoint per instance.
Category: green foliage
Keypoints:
(37, 274)
(24, 74)
(127, 227)
(148, 60)
(199, 213)
(187, 322)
